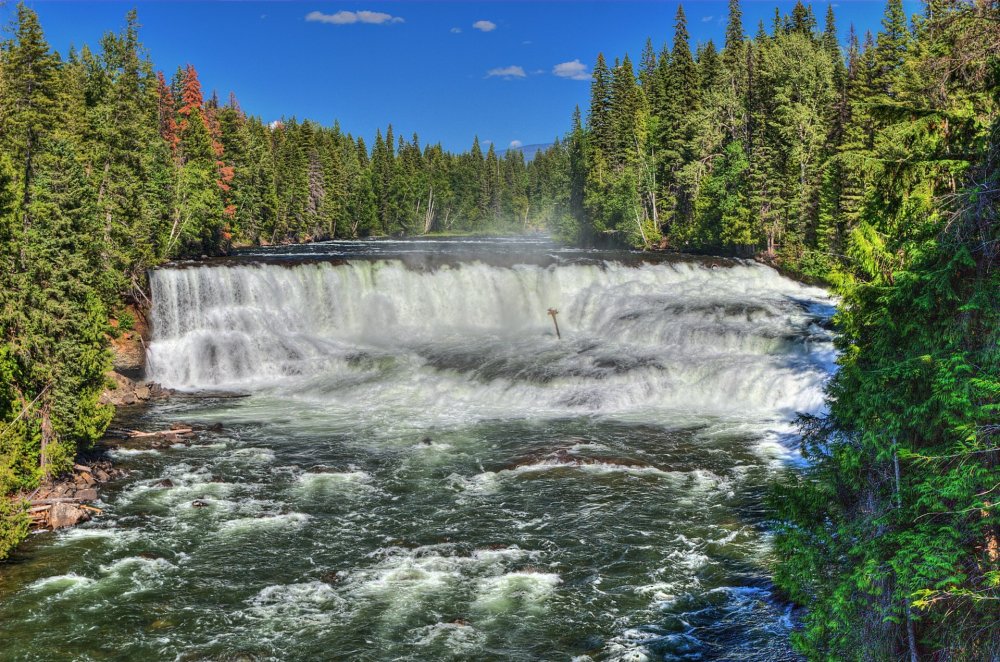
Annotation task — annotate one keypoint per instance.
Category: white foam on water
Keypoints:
(335, 481)
(662, 593)
(62, 583)
(457, 638)
(126, 576)
(124, 453)
(697, 481)
(630, 646)
(115, 536)
(265, 523)
(309, 603)
(186, 483)
(503, 555)
(520, 592)
(262, 455)
(133, 564)
(404, 584)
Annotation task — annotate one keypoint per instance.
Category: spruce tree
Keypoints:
(599, 119)
(732, 52)
(29, 72)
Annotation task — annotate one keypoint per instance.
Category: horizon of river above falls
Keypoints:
(422, 471)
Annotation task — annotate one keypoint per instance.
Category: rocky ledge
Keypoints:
(128, 391)
(66, 500)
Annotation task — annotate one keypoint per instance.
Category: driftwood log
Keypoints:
(160, 433)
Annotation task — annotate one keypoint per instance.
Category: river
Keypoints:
(419, 469)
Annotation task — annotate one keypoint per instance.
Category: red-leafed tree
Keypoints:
(167, 114)
(201, 135)
(191, 98)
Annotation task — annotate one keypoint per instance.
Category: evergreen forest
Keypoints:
(866, 162)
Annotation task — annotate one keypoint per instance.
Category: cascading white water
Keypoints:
(424, 471)
(474, 337)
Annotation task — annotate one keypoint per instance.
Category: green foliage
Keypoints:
(814, 129)
(892, 536)
(13, 525)
(107, 169)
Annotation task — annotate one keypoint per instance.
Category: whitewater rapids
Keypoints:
(419, 469)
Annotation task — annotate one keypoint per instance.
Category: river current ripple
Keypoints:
(421, 470)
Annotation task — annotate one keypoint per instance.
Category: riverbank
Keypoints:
(128, 387)
(420, 466)
(71, 498)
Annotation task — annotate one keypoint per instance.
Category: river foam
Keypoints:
(422, 470)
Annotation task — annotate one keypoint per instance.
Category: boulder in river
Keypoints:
(89, 494)
(63, 515)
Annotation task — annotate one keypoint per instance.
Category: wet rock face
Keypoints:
(128, 349)
(89, 494)
(67, 500)
(64, 515)
(129, 354)
(129, 346)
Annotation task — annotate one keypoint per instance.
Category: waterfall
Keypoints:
(424, 470)
(665, 336)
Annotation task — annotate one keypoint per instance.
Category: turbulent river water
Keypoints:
(419, 469)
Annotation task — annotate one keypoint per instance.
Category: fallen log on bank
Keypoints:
(135, 434)
(51, 502)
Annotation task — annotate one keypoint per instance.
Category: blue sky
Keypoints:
(447, 70)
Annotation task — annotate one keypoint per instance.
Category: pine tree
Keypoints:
(803, 21)
(649, 78)
(733, 50)
(890, 48)
(830, 32)
(599, 119)
(28, 98)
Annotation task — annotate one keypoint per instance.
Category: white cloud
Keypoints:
(485, 26)
(456, 30)
(574, 70)
(706, 19)
(514, 144)
(349, 17)
(513, 71)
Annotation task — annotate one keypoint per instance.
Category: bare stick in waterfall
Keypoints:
(553, 312)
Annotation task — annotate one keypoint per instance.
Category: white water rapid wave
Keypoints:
(424, 471)
(474, 341)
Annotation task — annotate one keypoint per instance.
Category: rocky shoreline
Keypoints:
(69, 499)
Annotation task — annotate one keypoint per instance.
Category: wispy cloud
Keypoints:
(513, 71)
(456, 30)
(349, 17)
(706, 19)
(514, 144)
(485, 26)
(574, 70)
